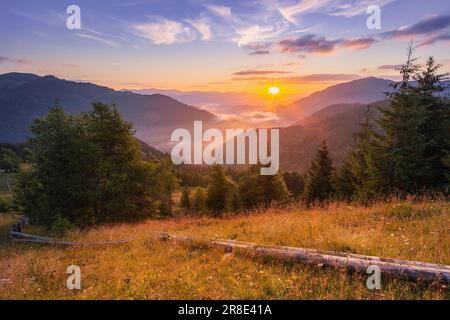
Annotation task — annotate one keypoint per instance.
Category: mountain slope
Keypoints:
(24, 97)
(337, 124)
(365, 91)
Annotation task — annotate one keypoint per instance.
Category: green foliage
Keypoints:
(406, 151)
(199, 200)
(9, 160)
(234, 202)
(217, 191)
(319, 181)
(27, 155)
(295, 183)
(185, 200)
(344, 183)
(257, 190)
(4, 206)
(250, 189)
(88, 170)
(61, 226)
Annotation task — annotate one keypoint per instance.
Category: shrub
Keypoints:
(61, 225)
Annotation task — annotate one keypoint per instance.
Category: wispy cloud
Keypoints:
(202, 26)
(308, 43)
(222, 11)
(259, 48)
(15, 61)
(359, 43)
(389, 66)
(99, 39)
(290, 12)
(430, 30)
(310, 78)
(164, 31)
(259, 72)
(346, 8)
(311, 43)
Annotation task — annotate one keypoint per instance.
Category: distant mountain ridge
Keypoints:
(23, 97)
(366, 90)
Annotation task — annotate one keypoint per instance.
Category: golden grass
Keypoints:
(148, 269)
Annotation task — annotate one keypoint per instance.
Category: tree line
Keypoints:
(87, 169)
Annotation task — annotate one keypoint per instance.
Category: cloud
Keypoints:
(359, 43)
(252, 117)
(15, 61)
(259, 72)
(259, 48)
(426, 26)
(308, 43)
(309, 78)
(99, 39)
(222, 11)
(203, 27)
(354, 8)
(164, 31)
(432, 40)
(289, 12)
(389, 66)
(257, 33)
(346, 8)
(428, 31)
(316, 44)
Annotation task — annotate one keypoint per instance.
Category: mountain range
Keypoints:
(23, 97)
(333, 114)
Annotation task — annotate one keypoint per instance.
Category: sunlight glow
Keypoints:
(274, 90)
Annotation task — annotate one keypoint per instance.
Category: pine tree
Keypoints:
(435, 128)
(344, 183)
(408, 133)
(274, 189)
(199, 200)
(185, 201)
(319, 185)
(250, 189)
(217, 191)
(295, 183)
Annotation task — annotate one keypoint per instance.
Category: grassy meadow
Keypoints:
(146, 268)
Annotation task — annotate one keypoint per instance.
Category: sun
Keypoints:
(274, 90)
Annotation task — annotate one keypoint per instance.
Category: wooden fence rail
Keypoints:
(410, 270)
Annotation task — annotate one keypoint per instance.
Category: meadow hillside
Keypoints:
(146, 268)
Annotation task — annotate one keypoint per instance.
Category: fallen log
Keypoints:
(23, 237)
(410, 270)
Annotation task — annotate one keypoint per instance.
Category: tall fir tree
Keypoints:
(319, 182)
(185, 199)
(217, 191)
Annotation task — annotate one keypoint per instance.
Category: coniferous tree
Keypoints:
(199, 200)
(250, 189)
(185, 199)
(435, 128)
(274, 189)
(88, 169)
(295, 183)
(319, 184)
(217, 191)
(344, 183)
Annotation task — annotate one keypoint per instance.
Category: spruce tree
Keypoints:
(250, 188)
(199, 200)
(319, 184)
(185, 201)
(217, 191)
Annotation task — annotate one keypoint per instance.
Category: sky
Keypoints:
(206, 45)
